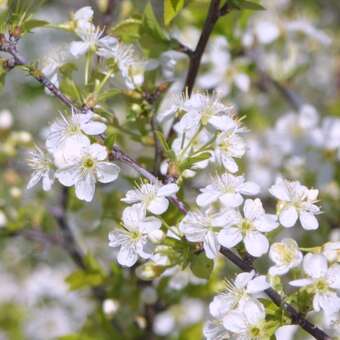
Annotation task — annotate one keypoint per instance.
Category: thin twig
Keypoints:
(196, 56)
(10, 48)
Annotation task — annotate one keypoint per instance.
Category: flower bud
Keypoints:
(16, 32)
(149, 271)
(6, 120)
(3, 219)
(110, 307)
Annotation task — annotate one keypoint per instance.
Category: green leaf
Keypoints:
(69, 87)
(153, 38)
(171, 9)
(81, 279)
(108, 94)
(201, 266)
(192, 160)
(33, 23)
(127, 30)
(165, 146)
(244, 4)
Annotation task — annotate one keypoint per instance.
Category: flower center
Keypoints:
(254, 331)
(88, 163)
(321, 285)
(246, 226)
(286, 254)
(135, 235)
(73, 129)
(206, 115)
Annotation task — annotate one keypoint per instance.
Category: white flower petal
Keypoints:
(206, 198)
(107, 172)
(97, 151)
(231, 200)
(85, 187)
(235, 322)
(229, 237)
(211, 245)
(301, 282)
(256, 244)
(127, 256)
(254, 311)
(257, 285)
(315, 265)
(249, 188)
(158, 205)
(78, 48)
(308, 221)
(34, 180)
(168, 189)
(93, 128)
(68, 176)
(288, 217)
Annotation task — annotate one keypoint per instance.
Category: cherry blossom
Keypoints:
(249, 229)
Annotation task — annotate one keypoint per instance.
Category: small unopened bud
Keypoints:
(149, 271)
(6, 120)
(16, 32)
(173, 170)
(110, 307)
(3, 219)
(141, 322)
(3, 39)
(15, 192)
(156, 236)
(91, 101)
(136, 108)
(22, 137)
(163, 87)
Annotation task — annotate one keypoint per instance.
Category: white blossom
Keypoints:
(246, 286)
(332, 251)
(6, 119)
(132, 239)
(249, 229)
(91, 40)
(228, 189)
(72, 129)
(286, 255)
(87, 166)
(229, 145)
(83, 17)
(203, 226)
(214, 330)
(296, 201)
(154, 197)
(248, 323)
(323, 282)
(207, 110)
(43, 169)
(124, 58)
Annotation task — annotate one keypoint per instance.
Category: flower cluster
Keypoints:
(72, 158)
(139, 234)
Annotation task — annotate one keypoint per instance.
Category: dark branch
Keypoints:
(196, 56)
